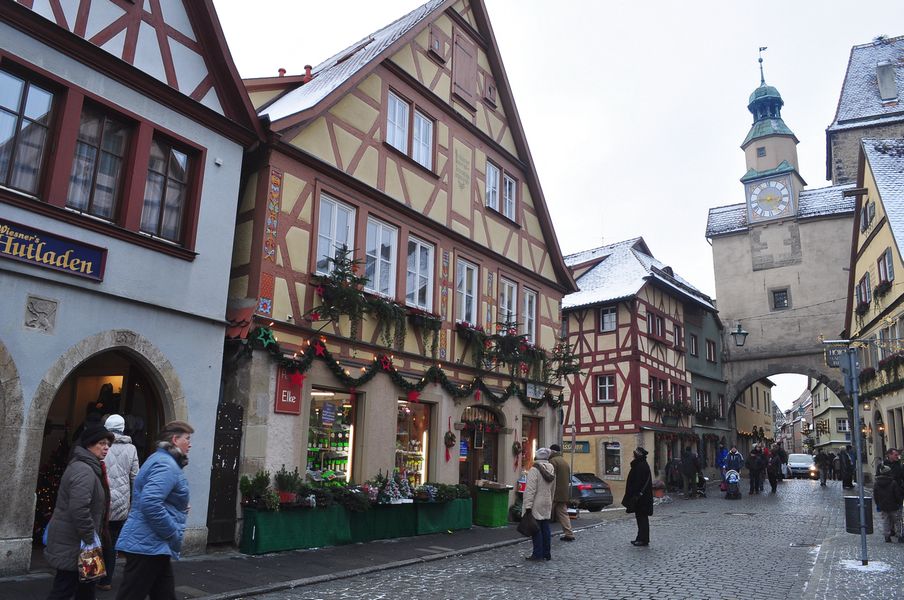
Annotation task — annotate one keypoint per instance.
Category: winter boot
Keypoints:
(888, 539)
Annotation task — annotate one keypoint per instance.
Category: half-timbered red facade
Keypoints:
(627, 325)
(406, 150)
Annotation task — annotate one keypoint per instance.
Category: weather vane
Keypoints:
(762, 78)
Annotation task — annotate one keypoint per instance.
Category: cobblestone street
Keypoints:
(701, 548)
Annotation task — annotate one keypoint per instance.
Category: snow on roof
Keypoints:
(625, 267)
(860, 98)
(818, 202)
(886, 160)
(337, 69)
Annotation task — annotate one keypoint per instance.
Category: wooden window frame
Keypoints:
(414, 110)
(461, 295)
(497, 188)
(710, 350)
(611, 385)
(421, 243)
(693, 344)
(601, 318)
(393, 267)
(326, 197)
(529, 310)
(51, 197)
(508, 298)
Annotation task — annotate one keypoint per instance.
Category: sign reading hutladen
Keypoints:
(51, 251)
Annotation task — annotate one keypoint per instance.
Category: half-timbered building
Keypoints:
(627, 325)
(123, 127)
(392, 234)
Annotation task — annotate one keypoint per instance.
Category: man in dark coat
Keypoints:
(755, 466)
(892, 460)
(563, 490)
(847, 467)
(690, 466)
(889, 497)
(639, 496)
(823, 463)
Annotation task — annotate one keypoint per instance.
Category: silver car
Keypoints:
(803, 465)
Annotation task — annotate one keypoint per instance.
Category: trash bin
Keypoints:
(492, 507)
(852, 513)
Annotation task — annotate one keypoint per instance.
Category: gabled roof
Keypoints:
(860, 98)
(819, 202)
(886, 161)
(338, 74)
(621, 270)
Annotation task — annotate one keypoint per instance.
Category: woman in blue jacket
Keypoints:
(152, 535)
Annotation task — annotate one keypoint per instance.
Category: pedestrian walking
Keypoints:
(80, 514)
(847, 467)
(734, 461)
(774, 470)
(122, 468)
(690, 466)
(892, 460)
(563, 490)
(889, 497)
(756, 464)
(538, 500)
(720, 459)
(154, 530)
(639, 496)
(823, 463)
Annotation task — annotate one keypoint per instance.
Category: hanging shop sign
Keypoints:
(288, 394)
(37, 247)
(579, 447)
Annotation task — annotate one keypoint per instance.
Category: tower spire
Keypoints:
(762, 78)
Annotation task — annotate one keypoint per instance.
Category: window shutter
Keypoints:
(464, 69)
(868, 288)
(872, 211)
(889, 265)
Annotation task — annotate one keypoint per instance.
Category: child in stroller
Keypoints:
(733, 485)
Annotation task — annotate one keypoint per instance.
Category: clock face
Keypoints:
(769, 199)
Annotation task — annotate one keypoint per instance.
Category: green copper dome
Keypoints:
(764, 91)
(766, 107)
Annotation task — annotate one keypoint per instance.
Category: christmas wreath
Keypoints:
(516, 448)
(449, 439)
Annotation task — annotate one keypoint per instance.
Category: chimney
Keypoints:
(282, 72)
(885, 75)
(307, 74)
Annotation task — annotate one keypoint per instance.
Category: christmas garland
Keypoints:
(263, 338)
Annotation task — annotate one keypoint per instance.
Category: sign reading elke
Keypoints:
(25, 244)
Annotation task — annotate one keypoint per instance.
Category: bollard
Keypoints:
(852, 514)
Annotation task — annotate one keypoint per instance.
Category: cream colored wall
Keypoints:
(778, 148)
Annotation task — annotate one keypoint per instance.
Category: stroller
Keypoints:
(733, 485)
(702, 480)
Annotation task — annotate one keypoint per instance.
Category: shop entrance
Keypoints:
(479, 446)
(108, 383)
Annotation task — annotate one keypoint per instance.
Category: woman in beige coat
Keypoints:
(538, 494)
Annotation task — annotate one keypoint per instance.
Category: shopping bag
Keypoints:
(630, 503)
(528, 526)
(91, 565)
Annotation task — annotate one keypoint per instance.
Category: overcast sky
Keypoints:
(634, 111)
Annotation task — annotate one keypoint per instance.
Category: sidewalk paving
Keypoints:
(228, 574)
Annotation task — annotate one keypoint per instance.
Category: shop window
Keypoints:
(165, 191)
(331, 434)
(413, 441)
(612, 458)
(95, 184)
(25, 111)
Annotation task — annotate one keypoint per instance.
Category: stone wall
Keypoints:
(845, 148)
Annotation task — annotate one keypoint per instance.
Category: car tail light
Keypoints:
(585, 486)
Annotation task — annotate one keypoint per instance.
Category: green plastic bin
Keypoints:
(492, 507)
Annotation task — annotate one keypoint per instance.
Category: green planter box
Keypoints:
(445, 516)
(383, 522)
(492, 507)
(292, 529)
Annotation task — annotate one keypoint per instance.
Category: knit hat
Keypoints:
(115, 423)
(542, 454)
(640, 452)
(94, 433)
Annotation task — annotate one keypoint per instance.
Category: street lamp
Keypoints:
(739, 335)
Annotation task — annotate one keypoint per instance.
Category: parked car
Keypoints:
(590, 492)
(803, 465)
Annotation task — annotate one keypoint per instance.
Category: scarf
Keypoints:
(105, 523)
(173, 451)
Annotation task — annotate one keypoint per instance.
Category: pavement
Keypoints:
(783, 546)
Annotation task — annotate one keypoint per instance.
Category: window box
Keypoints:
(882, 288)
(862, 308)
(867, 374)
(429, 324)
(708, 414)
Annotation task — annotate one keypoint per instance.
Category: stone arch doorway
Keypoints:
(479, 445)
(112, 372)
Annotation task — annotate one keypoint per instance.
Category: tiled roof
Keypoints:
(625, 267)
(337, 69)
(818, 202)
(886, 160)
(860, 92)
(765, 128)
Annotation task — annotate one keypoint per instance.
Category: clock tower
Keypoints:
(772, 183)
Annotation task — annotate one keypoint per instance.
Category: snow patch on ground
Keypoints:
(876, 566)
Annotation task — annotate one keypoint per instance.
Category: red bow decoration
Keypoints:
(385, 363)
(414, 396)
(448, 453)
(477, 396)
(319, 349)
(297, 378)
(319, 290)
(352, 394)
(315, 316)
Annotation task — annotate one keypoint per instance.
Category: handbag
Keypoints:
(528, 525)
(91, 565)
(630, 502)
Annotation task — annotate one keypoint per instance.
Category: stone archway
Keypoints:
(15, 543)
(26, 433)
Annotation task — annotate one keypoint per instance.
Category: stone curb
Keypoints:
(296, 583)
